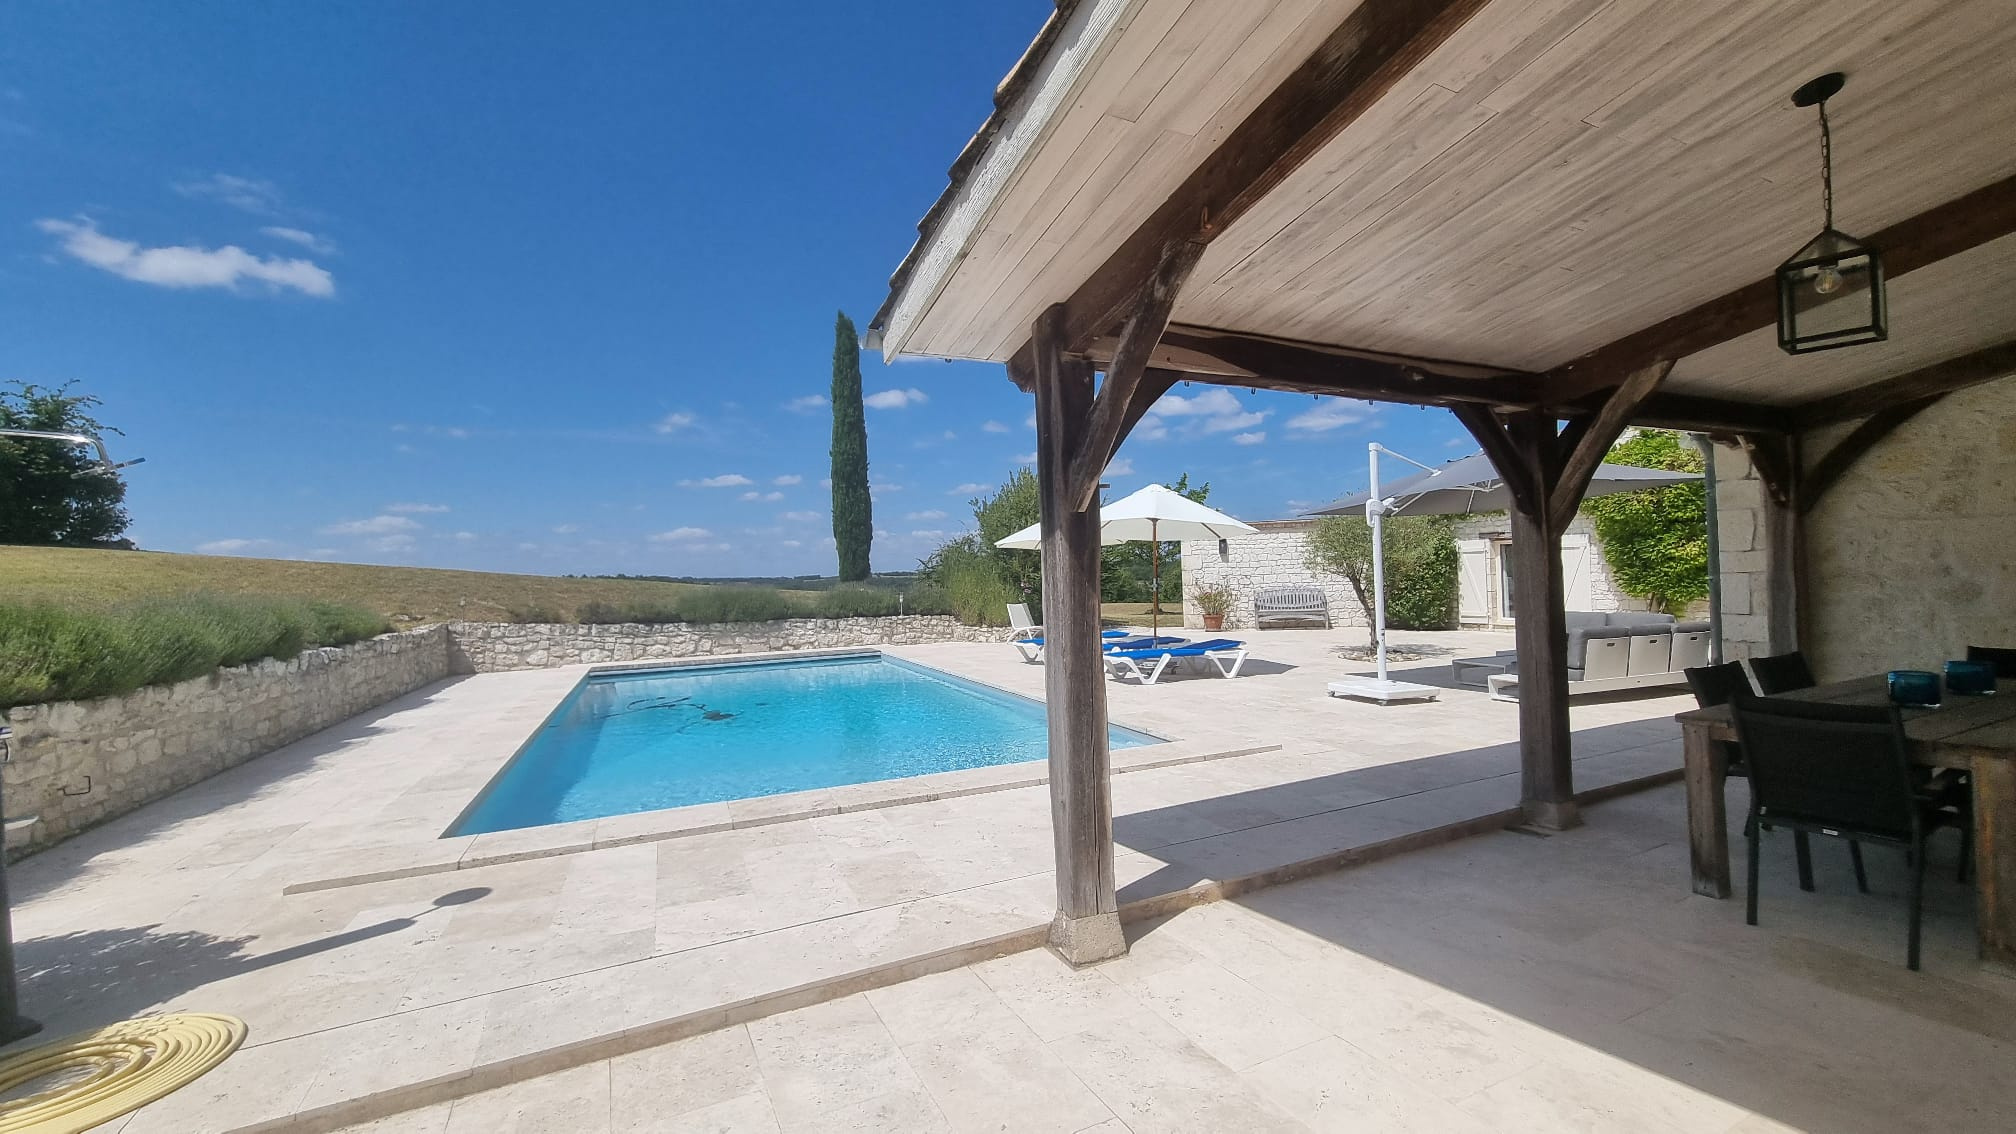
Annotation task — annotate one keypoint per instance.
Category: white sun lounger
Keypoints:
(1224, 653)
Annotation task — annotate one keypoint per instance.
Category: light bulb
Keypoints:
(1827, 280)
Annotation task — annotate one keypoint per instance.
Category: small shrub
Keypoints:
(53, 653)
(734, 604)
(597, 612)
(854, 602)
(927, 598)
(535, 615)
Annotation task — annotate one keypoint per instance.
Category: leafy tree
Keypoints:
(1017, 504)
(853, 511)
(1421, 566)
(1656, 540)
(52, 492)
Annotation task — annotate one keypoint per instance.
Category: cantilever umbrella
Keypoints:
(1155, 513)
(1470, 484)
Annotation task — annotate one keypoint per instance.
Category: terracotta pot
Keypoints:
(1214, 622)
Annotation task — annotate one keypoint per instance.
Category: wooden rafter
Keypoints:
(1377, 45)
(1119, 393)
(1587, 440)
(1850, 449)
(1942, 377)
(1496, 440)
(1986, 214)
(1233, 358)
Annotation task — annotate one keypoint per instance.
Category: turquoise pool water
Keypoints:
(627, 742)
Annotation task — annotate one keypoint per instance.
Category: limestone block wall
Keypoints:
(1603, 593)
(484, 647)
(1912, 555)
(157, 740)
(1276, 556)
(1742, 533)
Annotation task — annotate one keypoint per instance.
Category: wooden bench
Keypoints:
(1290, 604)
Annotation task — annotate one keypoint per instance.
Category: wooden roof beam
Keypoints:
(1374, 47)
(1943, 377)
(1231, 358)
(1986, 214)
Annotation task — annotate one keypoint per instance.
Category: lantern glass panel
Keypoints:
(1830, 294)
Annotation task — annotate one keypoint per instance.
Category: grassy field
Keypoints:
(405, 595)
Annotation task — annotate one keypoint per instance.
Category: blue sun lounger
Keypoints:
(1032, 646)
(1224, 653)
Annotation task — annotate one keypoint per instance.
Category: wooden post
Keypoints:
(1087, 925)
(1776, 458)
(1546, 749)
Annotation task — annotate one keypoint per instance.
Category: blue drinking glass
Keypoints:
(1914, 688)
(1970, 678)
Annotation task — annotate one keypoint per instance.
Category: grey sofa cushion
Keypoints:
(1578, 641)
(1640, 618)
(1584, 619)
(1695, 627)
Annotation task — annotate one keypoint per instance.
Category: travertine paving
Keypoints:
(1503, 983)
(493, 972)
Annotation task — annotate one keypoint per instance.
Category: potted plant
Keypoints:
(1214, 603)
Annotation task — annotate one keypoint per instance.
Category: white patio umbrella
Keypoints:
(1155, 513)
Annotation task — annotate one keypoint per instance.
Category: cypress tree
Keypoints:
(853, 517)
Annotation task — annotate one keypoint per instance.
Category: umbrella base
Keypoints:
(1384, 692)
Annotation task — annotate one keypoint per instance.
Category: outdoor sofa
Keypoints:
(1607, 651)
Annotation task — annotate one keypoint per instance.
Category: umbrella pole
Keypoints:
(1375, 515)
(1154, 579)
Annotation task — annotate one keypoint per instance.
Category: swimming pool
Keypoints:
(640, 741)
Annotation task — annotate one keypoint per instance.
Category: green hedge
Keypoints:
(55, 653)
(755, 604)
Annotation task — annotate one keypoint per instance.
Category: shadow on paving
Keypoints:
(37, 873)
(1810, 1018)
(107, 975)
(1167, 832)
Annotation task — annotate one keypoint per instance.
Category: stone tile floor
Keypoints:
(1502, 983)
(526, 965)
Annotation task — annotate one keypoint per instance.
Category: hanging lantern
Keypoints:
(1830, 293)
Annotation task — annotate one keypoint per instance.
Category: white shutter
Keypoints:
(1575, 571)
(1473, 575)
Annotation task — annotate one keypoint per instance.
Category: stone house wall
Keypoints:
(484, 647)
(1276, 556)
(1908, 556)
(157, 740)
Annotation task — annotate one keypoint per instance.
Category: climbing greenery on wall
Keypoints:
(1656, 541)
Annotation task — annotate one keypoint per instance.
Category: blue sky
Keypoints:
(540, 288)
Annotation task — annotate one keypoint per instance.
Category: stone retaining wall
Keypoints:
(485, 647)
(158, 740)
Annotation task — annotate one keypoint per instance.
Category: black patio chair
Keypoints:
(1842, 771)
(2003, 658)
(1782, 673)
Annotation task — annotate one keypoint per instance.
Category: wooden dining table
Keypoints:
(1975, 734)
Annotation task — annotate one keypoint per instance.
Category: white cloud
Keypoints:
(791, 543)
(877, 490)
(1121, 467)
(1214, 410)
(895, 399)
(566, 529)
(787, 480)
(1023, 459)
(969, 488)
(992, 427)
(1331, 413)
(929, 514)
(246, 194)
(385, 524)
(464, 537)
(415, 509)
(753, 495)
(933, 535)
(681, 535)
(396, 542)
(674, 422)
(1249, 438)
(301, 236)
(798, 517)
(725, 480)
(230, 546)
(185, 266)
(810, 403)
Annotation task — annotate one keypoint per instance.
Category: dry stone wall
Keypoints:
(484, 647)
(154, 741)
